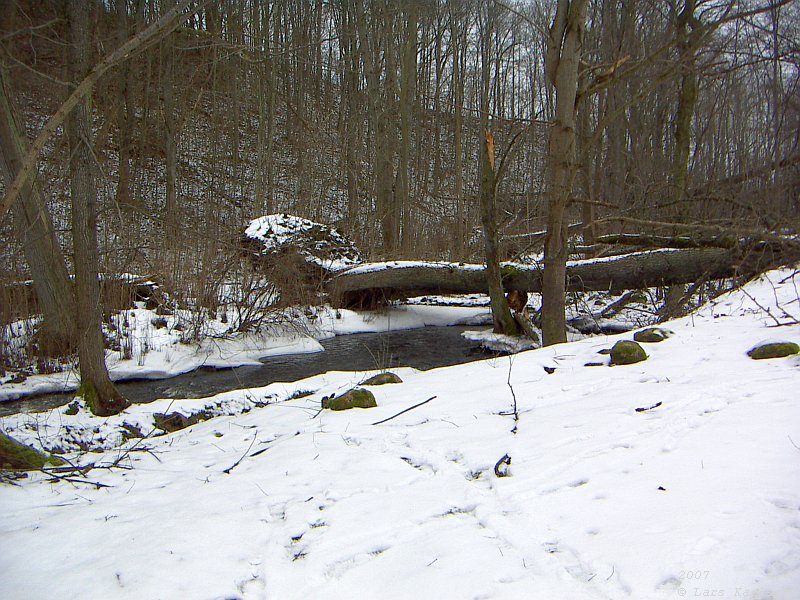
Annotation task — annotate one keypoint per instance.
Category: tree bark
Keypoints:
(688, 31)
(456, 35)
(501, 313)
(502, 318)
(96, 386)
(408, 80)
(167, 101)
(561, 66)
(34, 229)
(399, 279)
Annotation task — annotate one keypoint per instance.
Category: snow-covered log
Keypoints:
(365, 284)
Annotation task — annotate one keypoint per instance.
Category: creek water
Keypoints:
(423, 349)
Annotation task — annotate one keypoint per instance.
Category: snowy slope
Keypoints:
(699, 497)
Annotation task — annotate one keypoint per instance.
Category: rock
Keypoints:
(296, 255)
(773, 350)
(317, 243)
(626, 352)
(585, 324)
(174, 421)
(383, 378)
(652, 335)
(355, 398)
(17, 456)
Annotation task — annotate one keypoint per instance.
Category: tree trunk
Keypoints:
(456, 35)
(501, 313)
(350, 113)
(96, 385)
(408, 80)
(561, 65)
(688, 33)
(34, 230)
(125, 109)
(167, 98)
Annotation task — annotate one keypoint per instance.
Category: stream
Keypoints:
(425, 348)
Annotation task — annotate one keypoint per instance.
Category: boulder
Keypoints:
(272, 236)
(627, 352)
(296, 255)
(382, 379)
(17, 456)
(174, 421)
(773, 350)
(355, 398)
(652, 335)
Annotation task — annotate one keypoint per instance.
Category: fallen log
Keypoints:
(398, 279)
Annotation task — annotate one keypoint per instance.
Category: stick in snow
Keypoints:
(499, 469)
(236, 464)
(404, 411)
(656, 405)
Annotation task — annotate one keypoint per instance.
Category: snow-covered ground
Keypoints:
(696, 497)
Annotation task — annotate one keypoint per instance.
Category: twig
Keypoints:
(404, 411)
(236, 464)
(505, 460)
(766, 310)
(57, 477)
(82, 469)
(656, 405)
(515, 412)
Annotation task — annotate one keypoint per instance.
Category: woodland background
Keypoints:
(367, 115)
(372, 116)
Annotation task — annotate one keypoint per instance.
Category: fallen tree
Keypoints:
(371, 283)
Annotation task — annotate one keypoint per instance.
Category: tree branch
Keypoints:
(404, 411)
(164, 25)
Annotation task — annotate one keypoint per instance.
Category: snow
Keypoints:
(500, 343)
(698, 497)
(372, 267)
(531, 264)
(320, 244)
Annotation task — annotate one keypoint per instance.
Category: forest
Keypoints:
(142, 136)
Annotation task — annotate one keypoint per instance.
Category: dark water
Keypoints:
(423, 349)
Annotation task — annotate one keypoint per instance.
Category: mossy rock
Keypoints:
(355, 398)
(773, 350)
(626, 352)
(17, 456)
(174, 421)
(652, 335)
(382, 379)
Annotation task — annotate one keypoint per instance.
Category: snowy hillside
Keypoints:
(696, 497)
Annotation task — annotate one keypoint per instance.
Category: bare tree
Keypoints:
(564, 47)
(489, 172)
(34, 230)
(96, 386)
